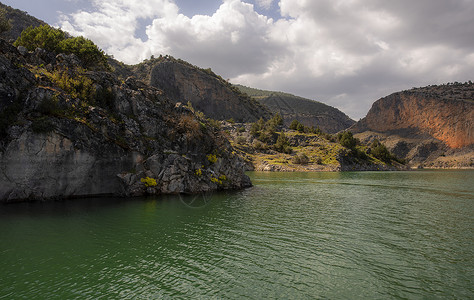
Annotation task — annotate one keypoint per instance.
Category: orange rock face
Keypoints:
(434, 111)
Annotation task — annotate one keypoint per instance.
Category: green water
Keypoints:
(354, 235)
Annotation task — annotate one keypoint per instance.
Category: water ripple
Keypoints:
(331, 235)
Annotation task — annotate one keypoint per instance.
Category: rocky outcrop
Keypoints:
(19, 20)
(207, 92)
(69, 132)
(421, 125)
(306, 111)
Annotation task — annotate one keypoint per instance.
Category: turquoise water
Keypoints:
(350, 235)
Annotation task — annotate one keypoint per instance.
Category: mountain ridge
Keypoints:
(306, 111)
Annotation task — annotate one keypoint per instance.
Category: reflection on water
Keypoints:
(293, 235)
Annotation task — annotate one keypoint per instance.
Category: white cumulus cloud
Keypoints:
(345, 53)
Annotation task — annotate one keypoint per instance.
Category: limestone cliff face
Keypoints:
(55, 143)
(207, 92)
(435, 115)
(450, 121)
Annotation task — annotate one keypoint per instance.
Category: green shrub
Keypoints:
(55, 40)
(257, 145)
(378, 150)
(282, 144)
(5, 24)
(294, 124)
(214, 123)
(43, 36)
(85, 49)
(256, 127)
(300, 127)
(361, 154)
(346, 139)
(265, 137)
(276, 120)
(316, 130)
(78, 86)
(300, 159)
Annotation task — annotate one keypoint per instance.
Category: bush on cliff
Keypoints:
(56, 40)
(379, 151)
(296, 125)
(347, 140)
(4, 22)
(300, 159)
(282, 144)
(265, 131)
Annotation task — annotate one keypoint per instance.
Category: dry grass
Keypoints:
(189, 126)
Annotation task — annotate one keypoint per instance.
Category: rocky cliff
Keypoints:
(19, 20)
(306, 111)
(424, 124)
(206, 91)
(66, 131)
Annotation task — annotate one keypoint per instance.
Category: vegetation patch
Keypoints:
(5, 24)
(305, 149)
(198, 172)
(149, 182)
(56, 40)
(212, 158)
(216, 180)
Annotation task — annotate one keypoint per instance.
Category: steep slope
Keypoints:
(70, 132)
(19, 20)
(423, 124)
(307, 112)
(207, 92)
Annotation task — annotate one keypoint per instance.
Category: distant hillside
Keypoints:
(208, 92)
(19, 20)
(425, 125)
(306, 111)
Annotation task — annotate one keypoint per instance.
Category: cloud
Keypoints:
(232, 41)
(345, 53)
(266, 4)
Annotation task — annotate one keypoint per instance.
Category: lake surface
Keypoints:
(350, 235)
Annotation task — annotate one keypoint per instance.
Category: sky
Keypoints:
(345, 53)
